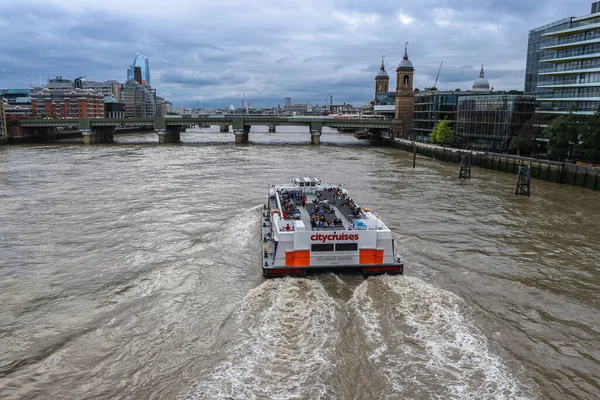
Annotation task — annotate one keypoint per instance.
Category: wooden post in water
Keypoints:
(465, 167)
(414, 154)
(524, 181)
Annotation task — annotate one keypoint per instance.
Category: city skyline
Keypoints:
(212, 54)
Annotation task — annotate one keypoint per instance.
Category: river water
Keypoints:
(132, 271)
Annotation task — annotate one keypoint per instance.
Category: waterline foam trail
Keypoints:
(429, 348)
(284, 348)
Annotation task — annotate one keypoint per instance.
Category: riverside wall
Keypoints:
(563, 173)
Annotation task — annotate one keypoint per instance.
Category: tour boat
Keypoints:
(307, 225)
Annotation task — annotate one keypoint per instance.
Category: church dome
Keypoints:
(481, 84)
(405, 63)
(382, 72)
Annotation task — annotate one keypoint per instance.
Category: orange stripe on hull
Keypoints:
(298, 258)
(370, 256)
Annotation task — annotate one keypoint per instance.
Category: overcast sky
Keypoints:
(211, 52)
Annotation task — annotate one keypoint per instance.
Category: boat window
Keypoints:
(301, 184)
(322, 247)
(312, 184)
(346, 247)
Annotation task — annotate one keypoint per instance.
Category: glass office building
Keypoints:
(563, 64)
(433, 107)
(140, 61)
(487, 122)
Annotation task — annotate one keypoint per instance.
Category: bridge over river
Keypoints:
(101, 130)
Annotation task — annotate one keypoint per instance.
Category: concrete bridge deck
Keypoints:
(100, 130)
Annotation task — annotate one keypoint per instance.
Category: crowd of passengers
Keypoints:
(341, 198)
(288, 203)
(320, 209)
(319, 213)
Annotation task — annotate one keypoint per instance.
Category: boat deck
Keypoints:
(334, 210)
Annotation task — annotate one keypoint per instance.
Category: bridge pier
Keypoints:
(272, 128)
(377, 136)
(241, 135)
(224, 128)
(172, 134)
(37, 134)
(98, 134)
(315, 136)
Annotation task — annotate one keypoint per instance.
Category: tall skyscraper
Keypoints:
(140, 61)
(287, 102)
(563, 59)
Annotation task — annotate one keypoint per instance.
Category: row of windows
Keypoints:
(576, 37)
(572, 65)
(575, 92)
(566, 106)
(577, 51)
(338, 247)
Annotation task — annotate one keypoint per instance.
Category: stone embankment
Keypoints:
(565, 173)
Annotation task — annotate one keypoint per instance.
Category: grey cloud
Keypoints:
(272, 49)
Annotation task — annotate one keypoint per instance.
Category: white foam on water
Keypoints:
(428, 346)
(363, 305)
(284, 348)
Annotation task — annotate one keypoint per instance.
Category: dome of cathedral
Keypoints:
(481, 84)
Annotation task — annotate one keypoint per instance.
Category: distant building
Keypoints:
(73, 103)
(16, 96)
(17, 103)
(488, 122)
(432, 107)
(287, 102)
(113, 109)
(143, 77)
(479, 118)
(296, 109)
(481, 85)
(404, 96)
(107, 88)
(382, 81)
(139, 101)
(563, 64)
(162, 108)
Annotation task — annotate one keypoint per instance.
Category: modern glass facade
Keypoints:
(139, 101)
(433, 107)
(487, 122)
(563, 65)
(140, 61)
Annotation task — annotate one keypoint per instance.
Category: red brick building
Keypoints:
(75, 103)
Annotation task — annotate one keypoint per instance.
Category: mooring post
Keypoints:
(465, 167)
(414, 154)
(524, 181)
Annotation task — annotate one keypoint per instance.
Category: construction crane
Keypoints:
(438, 75)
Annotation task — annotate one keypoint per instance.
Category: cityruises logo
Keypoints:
(318, 237)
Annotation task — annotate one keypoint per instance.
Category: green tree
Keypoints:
(562, 134)
(441, 133)
(588, 147)
(525, 140)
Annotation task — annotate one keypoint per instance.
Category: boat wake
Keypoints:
(285, 346)
(414, 341)
(421, 338)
